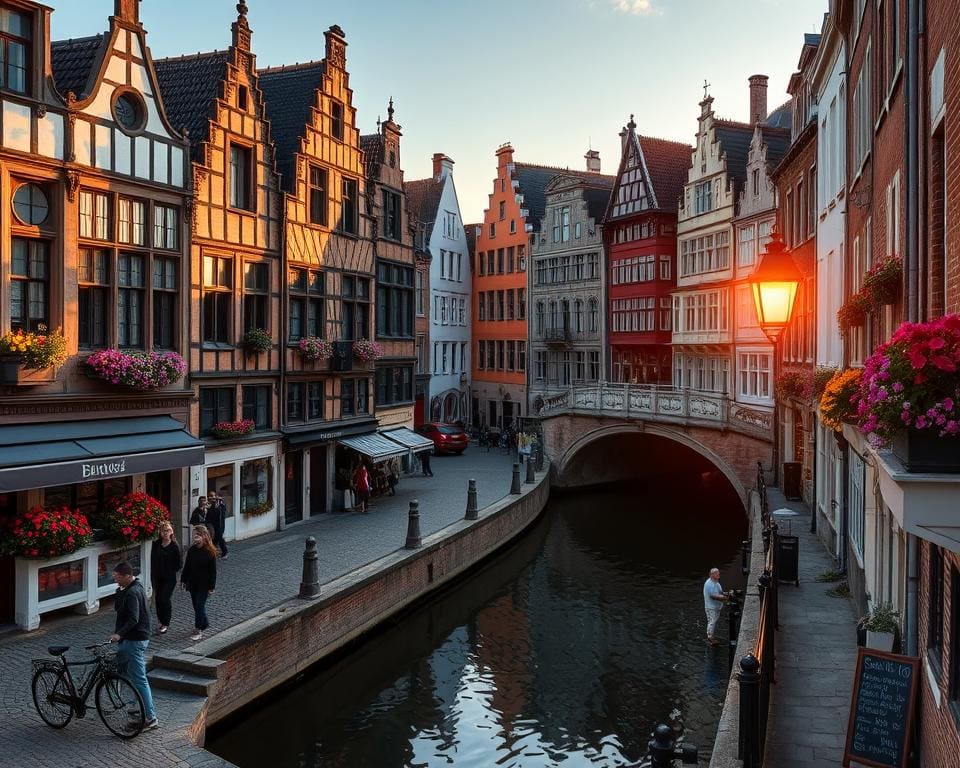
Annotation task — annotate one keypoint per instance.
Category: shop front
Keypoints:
(245, 477)
(381, 455)
(84, 466)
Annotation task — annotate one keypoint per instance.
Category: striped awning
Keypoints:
(375, 446)
(409, 439)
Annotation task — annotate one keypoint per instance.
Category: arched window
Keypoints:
(594, 316)
(578, 316)
(539, 318)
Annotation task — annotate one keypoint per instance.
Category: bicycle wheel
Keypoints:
(119, 706)
(51, 696)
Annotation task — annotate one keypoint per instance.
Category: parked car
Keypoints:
(446, 437)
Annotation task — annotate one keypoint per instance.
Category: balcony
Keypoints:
(557, 337)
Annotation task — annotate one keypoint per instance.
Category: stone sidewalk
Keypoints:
(258, 574)
(816, 657)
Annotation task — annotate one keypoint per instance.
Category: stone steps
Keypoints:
(202, 666)
(185, 682)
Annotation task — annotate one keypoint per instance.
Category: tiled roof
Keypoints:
(72, 61)
(189, 85)
(667, 163)
(289, 94)
(735, 141)
(423, 199)
(597, 199)
(533, 183)
(372, 146)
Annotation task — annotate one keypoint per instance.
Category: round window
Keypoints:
(128, 111)
(30, 204)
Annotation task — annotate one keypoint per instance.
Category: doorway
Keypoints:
(293, 488)
(220, 480)
(318, 481)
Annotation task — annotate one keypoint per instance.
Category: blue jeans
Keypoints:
(200, 608)
(130, 655)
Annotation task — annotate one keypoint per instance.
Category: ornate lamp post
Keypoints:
(775, 282)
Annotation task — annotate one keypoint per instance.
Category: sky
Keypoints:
(552, 77)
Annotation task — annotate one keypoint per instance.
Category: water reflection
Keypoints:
(565, 650)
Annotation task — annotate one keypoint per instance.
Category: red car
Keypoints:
(446, 438)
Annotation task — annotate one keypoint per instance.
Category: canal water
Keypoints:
(565, 650)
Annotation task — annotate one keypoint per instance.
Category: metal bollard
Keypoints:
(472, 512)
(763, 583)
(310, 580)
(539, 450)
(749, 677)
(515, 483)
(414, 540)
(531, 474)
(663, 750)
(745, 546)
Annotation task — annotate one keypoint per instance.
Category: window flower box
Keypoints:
(137, 370)
(314, 349)
(882, 283)
(367, 351)
(228, 429)
(30, 359)
(256, 340)
(853, 313)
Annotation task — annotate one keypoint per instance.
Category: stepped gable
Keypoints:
(533, 183)
(735, 138)
(189, 86)
(289, 94)
(72, 62)
(423, 199)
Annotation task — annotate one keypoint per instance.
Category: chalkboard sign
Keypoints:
(881, 709)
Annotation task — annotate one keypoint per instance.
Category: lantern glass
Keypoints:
(774, 302)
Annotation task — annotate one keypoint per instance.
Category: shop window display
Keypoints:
(255, 487)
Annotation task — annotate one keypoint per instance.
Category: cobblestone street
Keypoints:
(258, 574)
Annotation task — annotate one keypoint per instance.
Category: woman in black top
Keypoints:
(199, 576)
(165, 562)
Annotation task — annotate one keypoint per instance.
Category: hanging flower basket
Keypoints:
(821, 376)
(45, 532)
(853, 313)
(28, 359)
(796, 383)
(883, 281)
(133, 518)
(911, 383)
(256, 340)
(837, 402)
(315, 349)
(143, 371)
(227, 429)
(255, 510)
(367, 351)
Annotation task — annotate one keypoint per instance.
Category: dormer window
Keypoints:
(15, 37)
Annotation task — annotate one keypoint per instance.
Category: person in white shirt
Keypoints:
(713, 599)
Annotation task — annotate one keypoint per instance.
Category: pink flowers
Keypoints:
(234, 428)
(313, 348)
(911, 381)
(366, 351)
(139, 370)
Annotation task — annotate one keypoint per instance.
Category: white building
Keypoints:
(434, 203)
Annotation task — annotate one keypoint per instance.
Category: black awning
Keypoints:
(67, 452)
(303, 437)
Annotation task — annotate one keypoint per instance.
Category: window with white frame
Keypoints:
(857, 504)
(746, 245)
(754, 375)
(703, 197)
(893, 216)
(705, 253)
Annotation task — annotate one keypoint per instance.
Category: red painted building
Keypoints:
(640, 238)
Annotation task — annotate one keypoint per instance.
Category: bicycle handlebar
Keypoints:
(96, 645)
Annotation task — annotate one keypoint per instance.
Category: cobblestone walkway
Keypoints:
(258, 574)
(816, 658)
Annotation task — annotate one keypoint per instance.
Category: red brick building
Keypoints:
(640, 238)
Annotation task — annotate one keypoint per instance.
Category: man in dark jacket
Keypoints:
(217, 520)
(132, 634)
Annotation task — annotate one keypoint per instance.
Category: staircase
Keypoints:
(185, 672)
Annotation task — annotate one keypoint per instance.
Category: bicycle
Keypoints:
(57, 698)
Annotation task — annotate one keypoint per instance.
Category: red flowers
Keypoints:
(134, 517)
(44, 532)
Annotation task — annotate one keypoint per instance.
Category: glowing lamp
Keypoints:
(775, 283)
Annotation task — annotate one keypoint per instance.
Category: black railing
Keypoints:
(560, 335)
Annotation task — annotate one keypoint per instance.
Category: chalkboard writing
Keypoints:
(881, 709)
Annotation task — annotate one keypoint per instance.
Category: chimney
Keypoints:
(758, 98)
(127, 10)
(593, 161)
(442, 165)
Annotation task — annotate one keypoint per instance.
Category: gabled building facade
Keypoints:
(640, 239)
(566, 336)
(434, 203)
(237, 277)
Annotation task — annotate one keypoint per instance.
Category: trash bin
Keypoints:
(791, 480)
(788, 559)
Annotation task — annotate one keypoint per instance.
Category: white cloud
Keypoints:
(634, 7)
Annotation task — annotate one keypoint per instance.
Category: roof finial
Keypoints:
(705, 86)
(631, 126)
(242, 8)
(390, 111)
(378, 123)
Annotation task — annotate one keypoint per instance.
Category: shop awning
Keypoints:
(67, 452)
(409, 439)
(375, 446)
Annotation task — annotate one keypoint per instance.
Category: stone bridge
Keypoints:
(608, 432)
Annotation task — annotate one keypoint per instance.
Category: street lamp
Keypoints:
(775, 282)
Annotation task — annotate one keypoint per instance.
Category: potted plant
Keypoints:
(821, 375)
(28, 359)
(796, 383)
(45, 532)
(313, 349)
(256, 340)
(882, 625)
(909, 396)
(883, 281)
(239, 428)
(138, 370)
(367, 351)
(837, 401)
(133, 517)
(854, 311)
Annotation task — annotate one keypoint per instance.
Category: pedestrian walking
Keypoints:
(713, 599)
(199, 577)
(393, 475)
(166, 560)
(200, 514)
(217, 518)
(131, 633)
(361, 485)
(425, 464)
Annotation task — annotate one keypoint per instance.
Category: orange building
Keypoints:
(499, 297)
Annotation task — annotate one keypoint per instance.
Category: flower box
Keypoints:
(923, 450)
(228, 429)
(13, 373)
(137, 370)
(313, 349)
(367, 351)
(256, 340)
